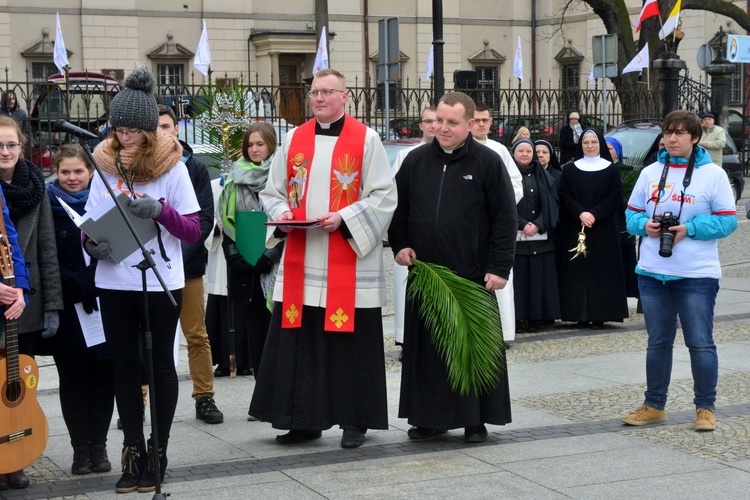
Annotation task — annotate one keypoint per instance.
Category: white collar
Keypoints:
(326, 126)
(592, 163)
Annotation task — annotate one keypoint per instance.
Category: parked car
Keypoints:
(507, 128)
(739, 128)
(392, 148)
(405, 128)
(639, 140)
(82, 99)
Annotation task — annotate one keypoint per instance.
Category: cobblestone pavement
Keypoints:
(585, 412)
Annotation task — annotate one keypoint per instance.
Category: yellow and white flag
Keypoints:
(671, 23)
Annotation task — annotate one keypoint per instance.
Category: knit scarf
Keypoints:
(245, 182)
(168, 152)
(26, 189)
(76, 201)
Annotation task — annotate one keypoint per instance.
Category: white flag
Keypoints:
(518, 62)
(203, 54)
(592, 79)
(639, 62)
(430, 63)
(60, 52)
(321, 58)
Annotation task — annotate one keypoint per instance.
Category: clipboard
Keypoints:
(104, 223)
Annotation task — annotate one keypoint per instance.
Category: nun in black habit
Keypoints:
(592, 286)
(535, 282)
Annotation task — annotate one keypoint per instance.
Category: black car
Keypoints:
(640, 143)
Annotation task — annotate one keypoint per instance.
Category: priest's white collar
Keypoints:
(326, 126)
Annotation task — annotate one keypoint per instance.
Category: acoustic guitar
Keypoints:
(23, 426)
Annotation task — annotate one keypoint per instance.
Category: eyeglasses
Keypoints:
(678, 133)
(323, 92)
(129, 133)
(483, 120)
(427, 122)
(12, 146)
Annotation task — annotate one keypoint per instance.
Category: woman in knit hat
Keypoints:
(147, 166)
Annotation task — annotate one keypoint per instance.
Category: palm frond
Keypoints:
(464, 324)
(242, 107)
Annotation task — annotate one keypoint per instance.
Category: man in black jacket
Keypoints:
(456, 208)
(193, 313)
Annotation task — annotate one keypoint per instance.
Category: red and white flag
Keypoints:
(650, 9)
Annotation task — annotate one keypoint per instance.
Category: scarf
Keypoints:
(76, 201)
(168, 152)
(26, 189)
(246, 180)
(577, 129)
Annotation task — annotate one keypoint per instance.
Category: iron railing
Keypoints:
(543, 110)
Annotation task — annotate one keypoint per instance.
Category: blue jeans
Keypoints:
(692, 299)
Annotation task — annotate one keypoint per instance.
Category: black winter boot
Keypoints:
(99, 459)
(81, 463)
(133, 466)
(148, 480)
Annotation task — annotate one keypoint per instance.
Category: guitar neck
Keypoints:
(11, 340)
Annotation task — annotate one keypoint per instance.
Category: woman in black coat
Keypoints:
(86, 381)
(570, 134)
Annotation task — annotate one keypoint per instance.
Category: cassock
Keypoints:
(457, 210)
(312, 378)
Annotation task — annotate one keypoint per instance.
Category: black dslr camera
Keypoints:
(666, 237)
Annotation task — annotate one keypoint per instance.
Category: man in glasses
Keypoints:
(323, 363)
(427, 123)
(678, 265)
(505, 297)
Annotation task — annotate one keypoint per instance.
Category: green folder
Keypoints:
(251, 234)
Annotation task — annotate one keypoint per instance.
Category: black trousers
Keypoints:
(86, 397)
(123, 319)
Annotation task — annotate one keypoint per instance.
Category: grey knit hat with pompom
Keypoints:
(135, 105)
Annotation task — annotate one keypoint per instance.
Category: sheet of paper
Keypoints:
(91, 325)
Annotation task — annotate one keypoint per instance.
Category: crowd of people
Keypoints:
(549, 238)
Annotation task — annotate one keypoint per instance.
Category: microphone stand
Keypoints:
(143, 266)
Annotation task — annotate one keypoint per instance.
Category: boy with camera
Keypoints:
(681, 205)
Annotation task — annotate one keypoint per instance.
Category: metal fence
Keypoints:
(543, 110)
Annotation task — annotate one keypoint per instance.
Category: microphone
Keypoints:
(63, 126)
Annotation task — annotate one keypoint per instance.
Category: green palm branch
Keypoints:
(464, 324)
(208, 107)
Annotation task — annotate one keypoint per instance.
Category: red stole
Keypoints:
(346, 174)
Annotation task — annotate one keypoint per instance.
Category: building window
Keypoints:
(171, 75)
(735, 91)
(40, 71)
(488, 78)
(569, 85)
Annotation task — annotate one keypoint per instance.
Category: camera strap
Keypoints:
(685, 182)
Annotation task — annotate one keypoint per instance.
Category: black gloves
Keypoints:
(234, 259)
(238, 264)
(89, 304)
(264, 265)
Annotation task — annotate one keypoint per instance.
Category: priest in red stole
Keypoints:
(323, 362)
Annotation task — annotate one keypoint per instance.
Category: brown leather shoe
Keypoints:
(18, 480)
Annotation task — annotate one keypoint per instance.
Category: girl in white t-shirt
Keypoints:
(147, 166)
